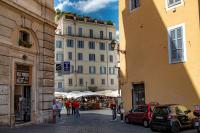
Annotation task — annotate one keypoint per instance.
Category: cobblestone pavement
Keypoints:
(89, 122)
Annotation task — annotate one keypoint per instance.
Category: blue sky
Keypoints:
(99, 9)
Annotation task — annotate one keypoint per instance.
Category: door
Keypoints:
(27, 103)
(138, 95)
(22, 104)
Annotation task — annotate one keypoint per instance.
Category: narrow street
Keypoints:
(90, 122)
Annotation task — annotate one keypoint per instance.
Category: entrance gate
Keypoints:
(22, 95)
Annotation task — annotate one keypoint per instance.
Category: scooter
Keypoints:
(197, 120)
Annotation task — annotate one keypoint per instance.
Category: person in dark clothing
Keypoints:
(114, 110)
(73, 108)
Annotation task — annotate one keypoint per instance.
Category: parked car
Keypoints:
(171, 118)
(141, 115)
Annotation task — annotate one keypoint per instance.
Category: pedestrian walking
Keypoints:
(54, 110)
(121, 111)
(76, 106)
(68, 106)
(59, 108)
(114, 111)
(73, 109)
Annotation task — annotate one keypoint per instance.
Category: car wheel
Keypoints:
(127, 120)
(146, 123)
(175, 128)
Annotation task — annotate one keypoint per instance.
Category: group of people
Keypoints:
(70, 105)
(117, 108)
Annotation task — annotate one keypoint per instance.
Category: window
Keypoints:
(110, 47)
(91, 57)
(69, 30)
(102, 46)
(172, 3)
(24, 36)
(138, 94)
(177, 50)
(111, 58)
(103, 81)
(71, 69)
(112, 81)
(80, 69)
(60, 85)
(58, 44)
(80, 44)
(59, 56)
(80, 31)
(80, 56)
(91, 45)
(92, 69)
(110, 35)
(92, 81)
(70, 43)
(91, 33)
(111, 70)
(134, 4)
(70, 82)
(69, 55)
(102, 70)
(101, 34)
(81, 82)
(102, 58)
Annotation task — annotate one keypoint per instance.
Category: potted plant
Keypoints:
(25, 44)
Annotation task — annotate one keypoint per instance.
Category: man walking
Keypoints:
(76, 106)
(68, 106)
(73, 109)
(114, 112)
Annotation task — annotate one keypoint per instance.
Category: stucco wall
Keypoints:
(143, 34)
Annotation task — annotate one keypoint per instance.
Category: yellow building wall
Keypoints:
(144, 36)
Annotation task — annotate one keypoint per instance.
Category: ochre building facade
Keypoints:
(161, 64)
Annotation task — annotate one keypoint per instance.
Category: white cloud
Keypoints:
(63, 4)
(93, 5)
(85, 6)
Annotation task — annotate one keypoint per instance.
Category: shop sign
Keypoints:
(22, 77)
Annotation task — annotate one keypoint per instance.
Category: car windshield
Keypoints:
(161, 110)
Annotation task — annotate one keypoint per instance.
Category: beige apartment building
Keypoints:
(84, 43)
(162, 60)
(27, 31)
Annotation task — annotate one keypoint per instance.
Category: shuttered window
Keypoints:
(177, 44)
(134, 4)
(172, 3)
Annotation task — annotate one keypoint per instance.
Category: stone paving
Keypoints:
(89, 122)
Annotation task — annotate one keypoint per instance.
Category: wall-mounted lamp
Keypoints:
(24, 57)
(113, 44)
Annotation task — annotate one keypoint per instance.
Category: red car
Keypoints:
(141, 115)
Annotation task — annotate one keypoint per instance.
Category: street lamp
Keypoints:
(86, 85)
(113, 45)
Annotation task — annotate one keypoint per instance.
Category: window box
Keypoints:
(25, 44)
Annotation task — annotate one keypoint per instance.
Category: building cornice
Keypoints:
(24, 10)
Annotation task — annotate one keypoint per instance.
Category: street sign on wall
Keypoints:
(66, 67)
(59, 67)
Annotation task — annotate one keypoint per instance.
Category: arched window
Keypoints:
(24, 39)
(24, 36)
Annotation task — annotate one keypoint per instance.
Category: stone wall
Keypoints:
(41, 56)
